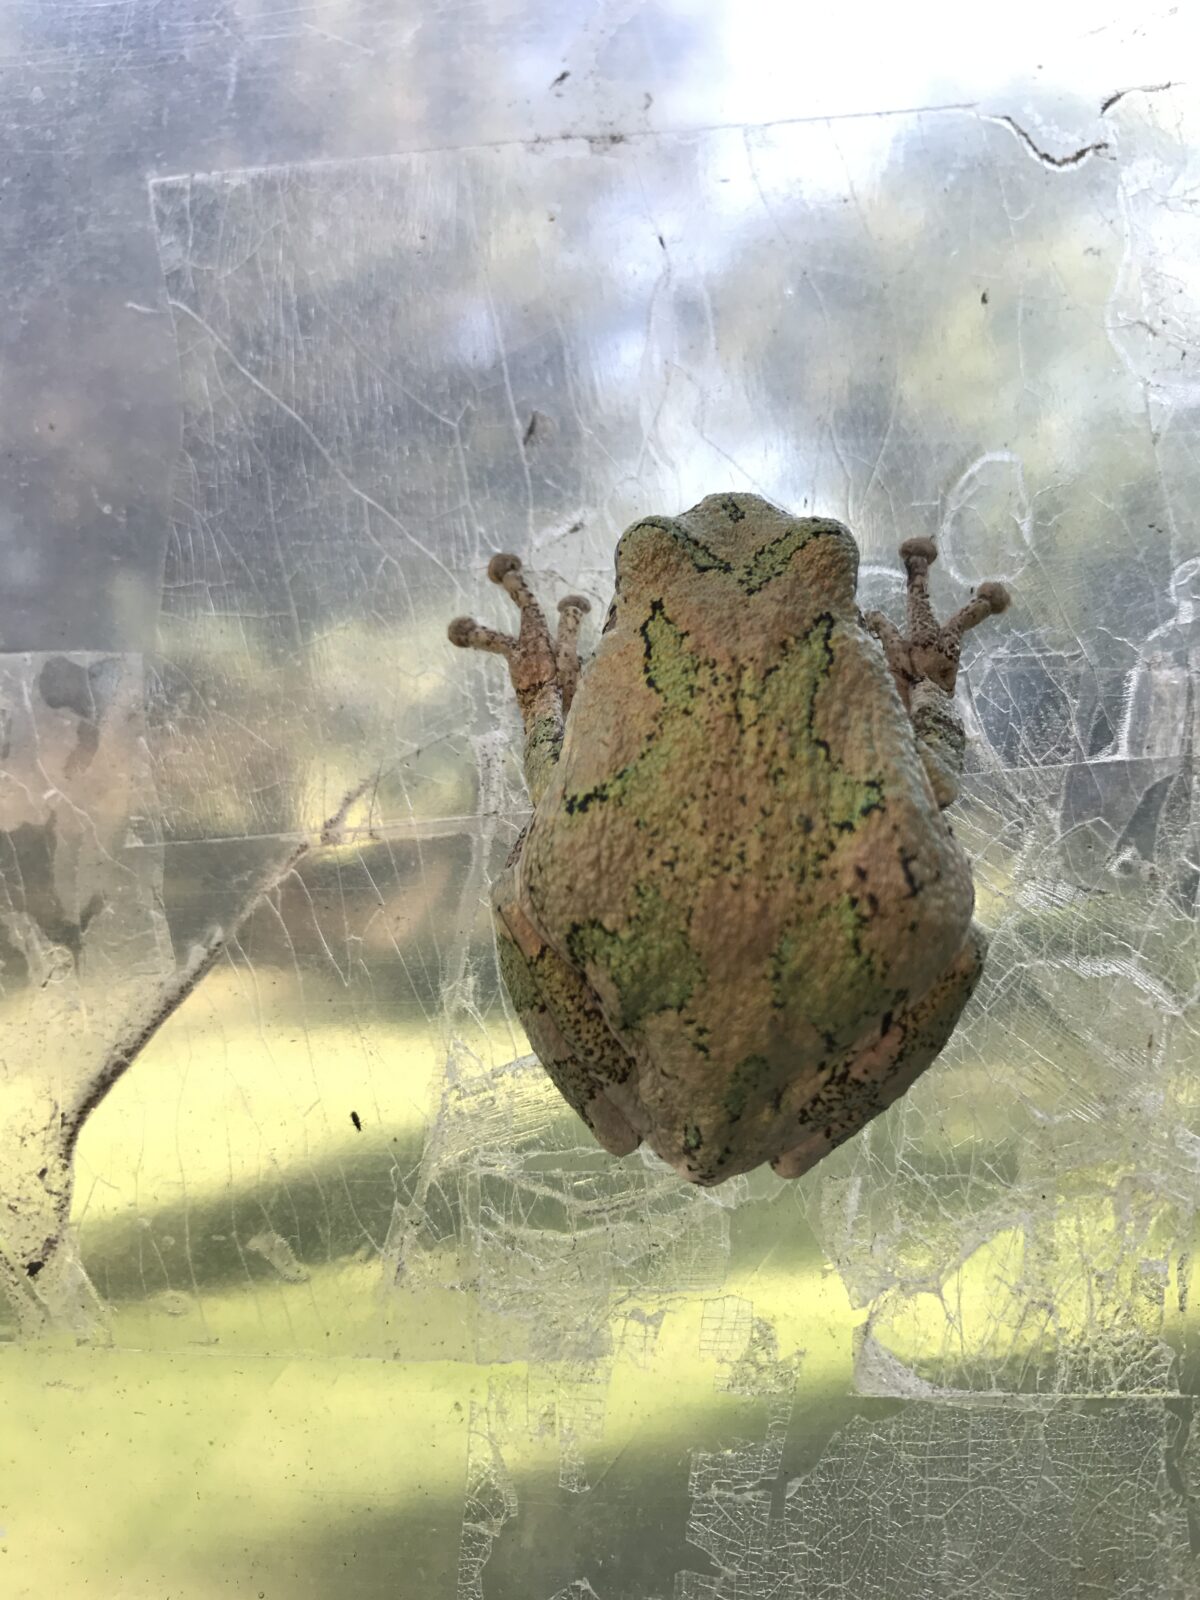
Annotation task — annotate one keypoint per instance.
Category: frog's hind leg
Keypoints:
(565, 1025)
(924, 662)
(869, 1080)
(544, 671)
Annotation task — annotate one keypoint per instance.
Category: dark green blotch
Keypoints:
(743, 1081)
(672, 670)
(651, 962)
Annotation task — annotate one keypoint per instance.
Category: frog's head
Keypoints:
(738, 539)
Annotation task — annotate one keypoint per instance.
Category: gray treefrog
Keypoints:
(738, 925)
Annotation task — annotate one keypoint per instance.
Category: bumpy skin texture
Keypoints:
(738, 925)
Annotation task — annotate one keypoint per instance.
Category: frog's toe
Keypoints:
(918, 550)
(611, 1128)
(995, 596)
(501, 564)
(468, 634)
(795, 1163)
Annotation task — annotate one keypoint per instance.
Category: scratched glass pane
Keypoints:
(310, 1283)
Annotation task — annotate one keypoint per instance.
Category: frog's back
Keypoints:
(740, 849)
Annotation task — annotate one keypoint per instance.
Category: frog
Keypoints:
(737, 925)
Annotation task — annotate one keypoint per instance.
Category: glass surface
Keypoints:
(310, 1284)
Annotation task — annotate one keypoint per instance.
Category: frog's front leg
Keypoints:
(867, 1082)
(564, 1023)
(544, 671)
(924, 662)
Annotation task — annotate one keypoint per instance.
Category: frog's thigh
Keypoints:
(565, 1025)
(881, 1073)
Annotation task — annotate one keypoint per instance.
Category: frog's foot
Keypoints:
(930, 649)
(544, 671)
(541, 668)
(924, 663)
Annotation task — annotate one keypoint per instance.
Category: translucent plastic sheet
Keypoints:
(359, 1306)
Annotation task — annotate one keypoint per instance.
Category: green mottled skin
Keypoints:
(738, 925)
